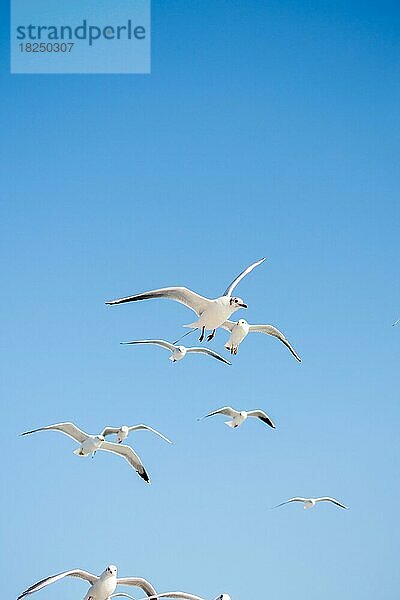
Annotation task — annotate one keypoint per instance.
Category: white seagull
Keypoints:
(179, 352)
(211, 313)
(184, 596)
(89, 444)
(101, 588)
(311, 502)
(123, 432)
(242, 328)
(239, 416)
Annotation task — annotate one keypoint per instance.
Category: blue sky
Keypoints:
(265, 129)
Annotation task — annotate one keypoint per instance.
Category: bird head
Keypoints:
(242, 322)
(237, 303)
(111, 570)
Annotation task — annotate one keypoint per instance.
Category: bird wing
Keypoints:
(333, 500)
(183, 295)
(109, 431)
(161, 343)
(260, 414)
(183, 595)
(140, 583)
(271, 330)
(122, 594)
(396, 322)
(53, 578)
(142, 426)
(290, 500)
(228, 325)
(68, 428)
(129, 455)
(210, 353)
(230, 288)
(226, 410)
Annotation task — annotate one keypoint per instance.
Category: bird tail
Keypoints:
(78, 452)
(230, 423)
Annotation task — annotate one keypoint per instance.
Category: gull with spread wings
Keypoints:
(211, 313)
(122, 432)
(311, 502)
(242, 328)
(89, 444)
(101, 587)
(239, 416)
(179, 352)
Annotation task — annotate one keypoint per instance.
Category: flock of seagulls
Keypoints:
(212, 314)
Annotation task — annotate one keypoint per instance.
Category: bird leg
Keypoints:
(201, 338)
(210, 337)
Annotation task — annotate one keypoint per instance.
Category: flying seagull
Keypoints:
(242, 328)
(179, 352)
(101, 588)
(89, 444)
(184, 596)
(211, 313)
(311, 502)
(239, 416)
(123, 432)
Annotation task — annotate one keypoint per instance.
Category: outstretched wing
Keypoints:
(226, 410)
(53, 578)
(109, 431)
(147, 428)
(210, 353)
(271, 330)
(161, 343)
(230, 288)
(129, 455)
(183, 595)
(68, 428)
(228, 325)
(140, 583)
(333, 500)
(291, 500)
(190, 299)
(260, 414)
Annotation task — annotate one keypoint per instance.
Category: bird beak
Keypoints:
(243, 305)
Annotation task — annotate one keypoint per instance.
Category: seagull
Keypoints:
(89, 444)
(184, 596)
(101, 587)
(211, 313)
(240, 330)
(179, 352)
(239, 416)
(311, 502)
(123, 432)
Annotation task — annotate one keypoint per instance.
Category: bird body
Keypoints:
(105, 586)
(242, 328)
(217, 312)
(90, 445)
(237, 419)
